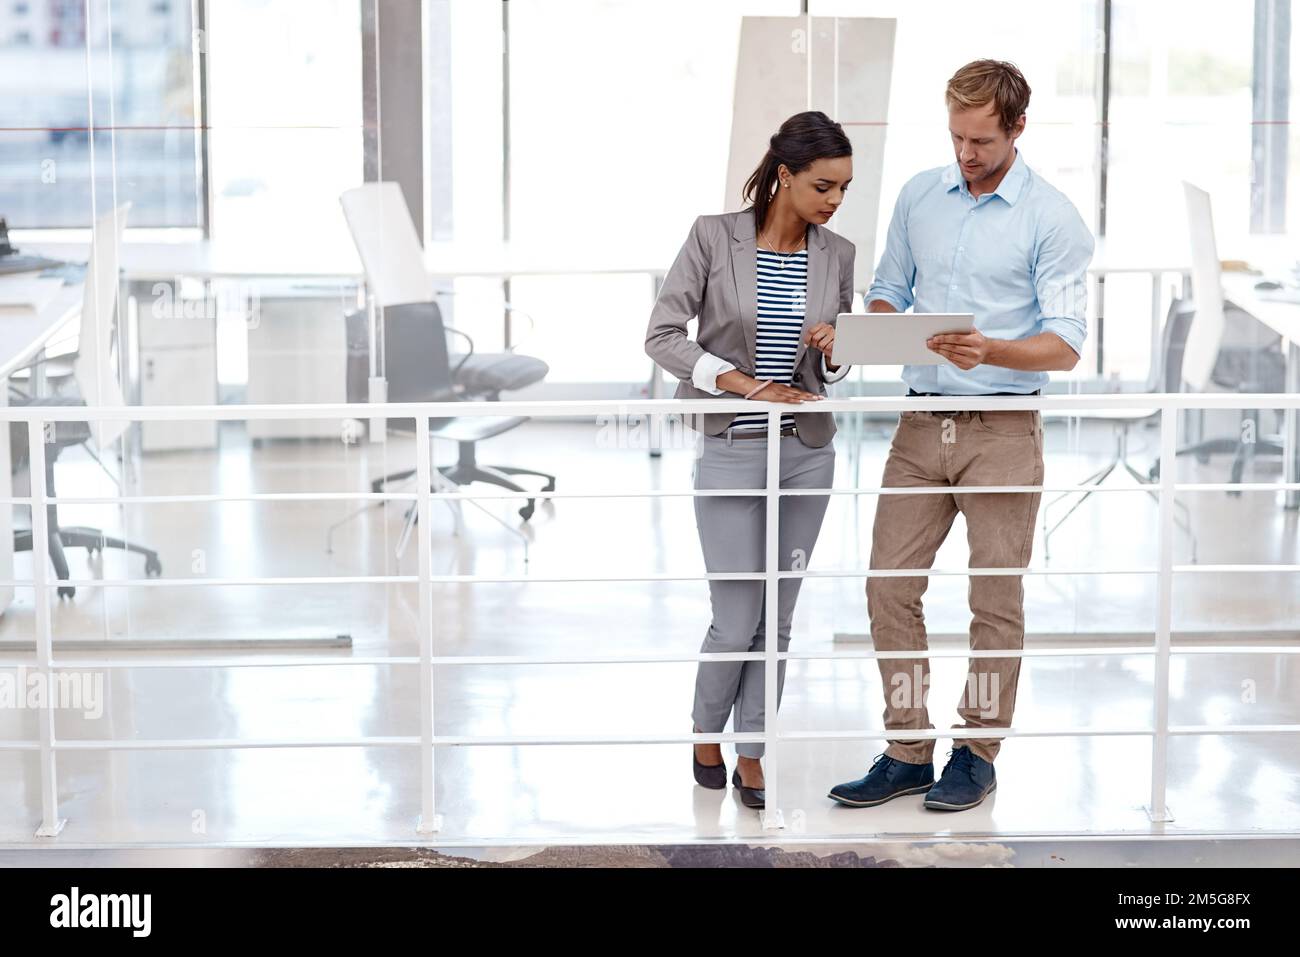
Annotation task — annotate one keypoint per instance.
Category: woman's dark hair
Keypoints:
(801, 140)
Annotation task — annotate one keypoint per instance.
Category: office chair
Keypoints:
(60, 537)
(1226, 347)
(1163, 375)
(96, 378)
(419, 369)
(393, 258)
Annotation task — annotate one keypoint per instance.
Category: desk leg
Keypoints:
(128, 371)
(378, 384)
(6, 515)
(1291, 427)
(1155, 317)
(1099, 336)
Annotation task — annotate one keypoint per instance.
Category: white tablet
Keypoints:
(893, 338)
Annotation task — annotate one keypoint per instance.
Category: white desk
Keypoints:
(1282, 317)
(1111, 258)
(214, 259)
(206, 259)
(24, 333)
(164, 361)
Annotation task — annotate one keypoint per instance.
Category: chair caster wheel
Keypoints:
(527, 511)
(67, 591)
(152, 567)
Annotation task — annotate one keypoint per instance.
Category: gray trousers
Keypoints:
(733, 536)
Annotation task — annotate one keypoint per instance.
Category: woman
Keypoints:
(766, 284)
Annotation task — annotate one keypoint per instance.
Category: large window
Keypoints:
(614, 113)
(1180, 110)
(283, 114)
(598, 138)
(98, 107)
(285, 108)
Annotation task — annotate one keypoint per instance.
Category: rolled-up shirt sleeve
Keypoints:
(895, 277)
(706, 371)
(1064, 251)
(831, 377)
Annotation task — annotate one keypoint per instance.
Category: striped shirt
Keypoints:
(781, 306)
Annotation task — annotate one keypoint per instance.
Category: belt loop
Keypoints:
(728, 436)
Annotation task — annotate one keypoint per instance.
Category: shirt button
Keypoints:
(961, 249)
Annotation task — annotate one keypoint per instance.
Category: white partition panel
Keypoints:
(839, 65)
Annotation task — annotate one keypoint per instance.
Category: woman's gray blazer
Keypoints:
(713, 278)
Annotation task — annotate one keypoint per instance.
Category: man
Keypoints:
(988, 236)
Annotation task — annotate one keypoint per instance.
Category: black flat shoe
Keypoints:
(713, 776)
(750, 797)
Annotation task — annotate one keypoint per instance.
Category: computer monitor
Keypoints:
(10, 260)
(5, 248)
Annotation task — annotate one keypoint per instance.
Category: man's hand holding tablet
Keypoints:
(966, 350)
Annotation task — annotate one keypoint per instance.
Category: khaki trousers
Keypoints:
(951, 450)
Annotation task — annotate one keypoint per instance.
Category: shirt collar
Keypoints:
(1012, 185)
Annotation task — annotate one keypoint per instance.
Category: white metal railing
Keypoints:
(48, 745)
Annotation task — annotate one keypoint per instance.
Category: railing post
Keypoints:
(1291, 456)
(772, 817)
(1158, 811)
(51, 823)
(429, 822)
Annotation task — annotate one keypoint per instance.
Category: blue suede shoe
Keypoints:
(887, 779)
(966, 781)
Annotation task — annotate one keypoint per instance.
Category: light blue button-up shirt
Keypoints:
(1016, 258)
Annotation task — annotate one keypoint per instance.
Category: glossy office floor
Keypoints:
(1055, 787)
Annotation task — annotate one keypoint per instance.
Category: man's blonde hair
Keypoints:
(981, 82)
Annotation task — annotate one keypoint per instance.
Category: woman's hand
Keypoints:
(776, 392)
(741, 384)
(822, 338)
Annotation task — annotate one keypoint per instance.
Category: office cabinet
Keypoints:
(180, 376)
(177, 366)
(297, 353)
